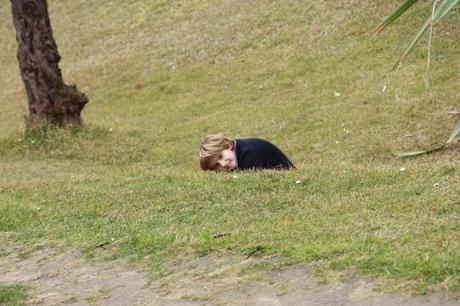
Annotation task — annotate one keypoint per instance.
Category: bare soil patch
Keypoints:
(57, 278)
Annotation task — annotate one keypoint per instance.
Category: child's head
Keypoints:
(217, 152)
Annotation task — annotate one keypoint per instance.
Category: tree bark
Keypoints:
(50, 99)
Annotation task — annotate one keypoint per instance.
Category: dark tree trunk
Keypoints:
(49, 98)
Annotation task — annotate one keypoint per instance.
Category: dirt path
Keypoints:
(65, 278)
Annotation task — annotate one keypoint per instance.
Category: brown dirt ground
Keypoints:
(57, 277)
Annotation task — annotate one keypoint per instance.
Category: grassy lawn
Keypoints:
(307, 75)
(12, 295)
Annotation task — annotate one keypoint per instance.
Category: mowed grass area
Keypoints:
(12, 295)
(307, 75)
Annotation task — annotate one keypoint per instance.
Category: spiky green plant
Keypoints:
(440, 9)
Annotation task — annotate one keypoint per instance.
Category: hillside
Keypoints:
(307, 75)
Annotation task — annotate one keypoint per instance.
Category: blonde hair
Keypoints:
(211, 148)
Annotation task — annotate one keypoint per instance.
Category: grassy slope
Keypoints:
(160, 75)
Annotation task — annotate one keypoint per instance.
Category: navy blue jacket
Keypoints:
(253, 153)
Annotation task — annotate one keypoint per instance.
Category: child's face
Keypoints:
(226, 161)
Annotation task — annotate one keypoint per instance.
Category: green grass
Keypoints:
(160, 75)
(12, 295)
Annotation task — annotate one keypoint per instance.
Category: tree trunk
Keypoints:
(50, 99)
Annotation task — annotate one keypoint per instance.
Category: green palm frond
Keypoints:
(440, 11)
(455, 131)
(393, 16)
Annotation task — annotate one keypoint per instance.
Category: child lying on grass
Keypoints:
(220, 153)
